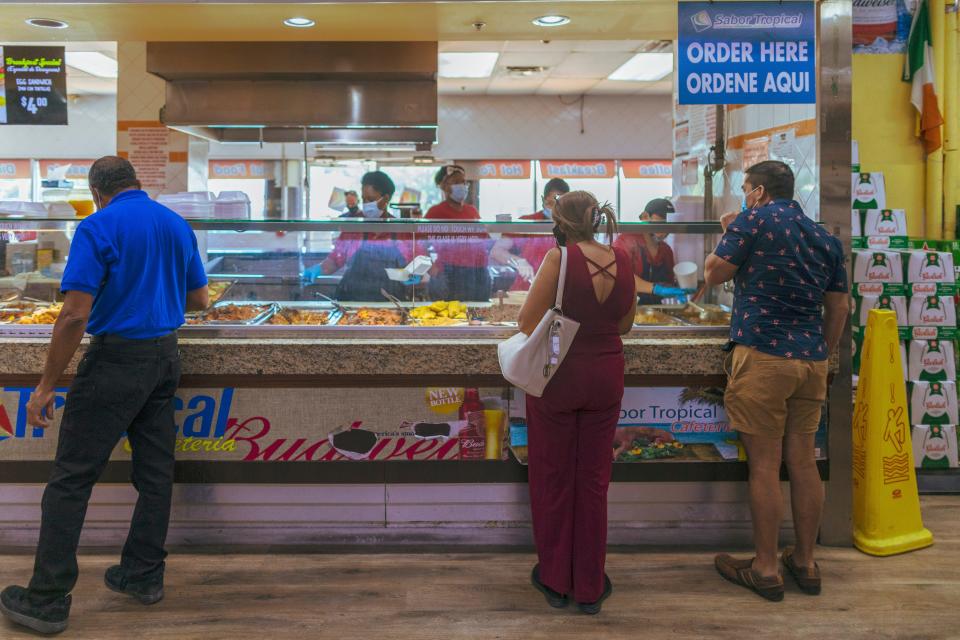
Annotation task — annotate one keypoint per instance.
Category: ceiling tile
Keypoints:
(602, 46)
(532, 58)
(566, 86)
(590, 65)
(553, 46)
(514, 85)
(462, 86)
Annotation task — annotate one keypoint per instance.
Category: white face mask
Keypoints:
(371, 210)
(458, 192)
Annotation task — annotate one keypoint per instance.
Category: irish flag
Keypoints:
(918, 70)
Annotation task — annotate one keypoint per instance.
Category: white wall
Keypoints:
(91, 133)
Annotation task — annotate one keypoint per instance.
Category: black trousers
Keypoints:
(122, 386)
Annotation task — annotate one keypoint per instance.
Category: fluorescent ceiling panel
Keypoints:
(477, 64)
(93, 62)
(645, 67)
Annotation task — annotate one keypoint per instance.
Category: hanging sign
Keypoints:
(747, 53)
(573, 169)
(33, 85)
(237, 169)
(14, 169)
(75, 169)
(646, 169)
(504, 169)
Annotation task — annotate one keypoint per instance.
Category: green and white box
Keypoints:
(933, 402)
(932, 311)
(932, 361)
(931, 273)
(869, 191)
(878, 266)
(935, 446)
(864, 304)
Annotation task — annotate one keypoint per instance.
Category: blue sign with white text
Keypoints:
(747, 53)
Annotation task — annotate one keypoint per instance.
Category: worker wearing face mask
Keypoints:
(365, 257)
(651, 257)
(524, 251)
(460, 272)
(352, 201)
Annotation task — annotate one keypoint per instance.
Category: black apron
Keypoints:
(366, 272)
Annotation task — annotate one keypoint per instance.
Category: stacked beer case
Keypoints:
(917, 279)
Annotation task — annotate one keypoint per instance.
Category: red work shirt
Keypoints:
(459, 249)
(531, 247)
(349, 242)
(656, 269)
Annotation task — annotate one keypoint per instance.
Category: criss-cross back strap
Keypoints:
(600, 269)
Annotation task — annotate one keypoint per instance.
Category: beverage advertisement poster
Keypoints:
(299, 425)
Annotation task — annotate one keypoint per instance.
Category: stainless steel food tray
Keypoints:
(268, 310)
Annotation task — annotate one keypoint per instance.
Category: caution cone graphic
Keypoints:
(886, 505)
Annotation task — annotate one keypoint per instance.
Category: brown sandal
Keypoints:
(808, 581)
(741, 572)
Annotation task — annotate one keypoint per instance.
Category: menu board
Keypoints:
(33, 85)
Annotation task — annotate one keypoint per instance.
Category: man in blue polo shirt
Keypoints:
(790, 307)
(133, 270)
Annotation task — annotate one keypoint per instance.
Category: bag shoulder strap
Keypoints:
(558, 305)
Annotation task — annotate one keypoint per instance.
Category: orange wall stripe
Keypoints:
(802, 128)
(125, 125)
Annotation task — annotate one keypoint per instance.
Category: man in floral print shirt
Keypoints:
(790, 306)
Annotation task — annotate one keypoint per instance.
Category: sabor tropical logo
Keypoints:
(701, 21)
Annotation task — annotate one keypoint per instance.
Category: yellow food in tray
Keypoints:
(299, 317)
(215, 290)
(653, 317)
(45, 315)
(439, 311)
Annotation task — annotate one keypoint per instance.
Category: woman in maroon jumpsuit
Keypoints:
(571, 427)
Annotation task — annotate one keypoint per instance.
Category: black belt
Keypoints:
(113, 339)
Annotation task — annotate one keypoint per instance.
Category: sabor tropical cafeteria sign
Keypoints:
(747, 53)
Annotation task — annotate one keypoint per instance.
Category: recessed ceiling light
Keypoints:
(93, 62)
(299, 22)
(551, 21)
(467, 65)
(47, 23)
(644, 67)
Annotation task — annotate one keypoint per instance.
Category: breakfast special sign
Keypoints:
(33, 85)
(747, 53)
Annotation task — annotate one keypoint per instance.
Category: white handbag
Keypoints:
(529, 362)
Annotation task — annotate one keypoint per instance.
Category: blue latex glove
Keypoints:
(672, 292)
(310, 274)
(413, 280)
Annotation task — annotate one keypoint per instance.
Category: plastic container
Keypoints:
(232, 205)
(686, 273)
(190, 204)
(23, 208)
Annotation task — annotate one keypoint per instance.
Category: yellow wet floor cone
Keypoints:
(886, 504)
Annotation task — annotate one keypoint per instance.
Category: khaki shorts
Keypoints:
(771, 396)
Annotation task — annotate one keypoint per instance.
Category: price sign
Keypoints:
(34, 85)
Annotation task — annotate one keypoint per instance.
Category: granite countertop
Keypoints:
(330, 356)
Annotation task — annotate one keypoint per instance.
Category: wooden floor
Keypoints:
(671, 595)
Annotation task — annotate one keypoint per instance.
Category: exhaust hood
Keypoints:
(322, 92)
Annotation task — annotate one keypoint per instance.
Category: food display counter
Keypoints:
(278, 374)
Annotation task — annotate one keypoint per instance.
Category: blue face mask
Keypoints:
(743, 204)
(548, 212)
(371, 210)
(458, 192)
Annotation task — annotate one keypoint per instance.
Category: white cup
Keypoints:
(686, 273)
